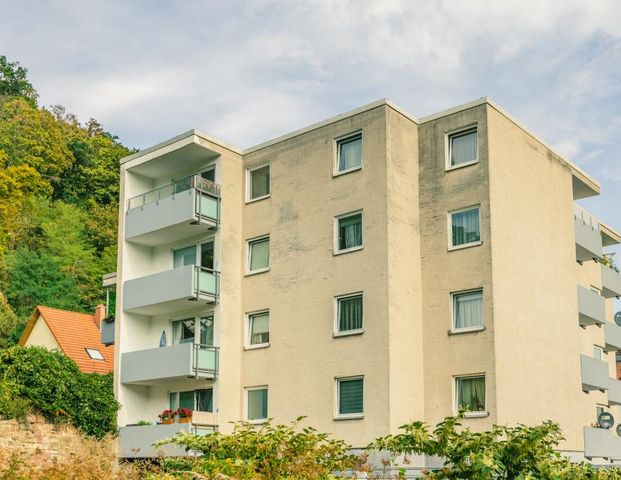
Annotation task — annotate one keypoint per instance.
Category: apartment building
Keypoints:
(366, 271)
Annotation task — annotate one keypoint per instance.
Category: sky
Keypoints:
(249, 71)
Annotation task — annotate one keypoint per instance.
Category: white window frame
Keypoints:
(337, 394)
(257, 421)
(90, 355)
(247, 330)
(449, 219)
(603, 356)
(337, 153)
(453, 329)
(197, 331)
(248, 258)
(480, 414)
(336, 232)
(249, 183)
(346, 333)
(448, 146)
(181, 246)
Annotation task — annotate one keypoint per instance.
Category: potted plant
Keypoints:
(185, 415)
(167, 416)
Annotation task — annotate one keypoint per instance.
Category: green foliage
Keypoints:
(11, 404)
(53, 384)
(264, 452)
(10, 324)
(59, 187)
(14, 83)
(503, 452)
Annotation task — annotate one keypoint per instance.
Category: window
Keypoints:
(184, 331)
(259, 255)
(195, 400)
(463, 147)
(189, 255)
(258, 329)
(599, 354)
(470, 394)
(349, 314)
(349, 232)
(258, 183)
(468, 310)
(465, 227)
(94, 353)
(349, 153)
(256, 404)
(350, 397)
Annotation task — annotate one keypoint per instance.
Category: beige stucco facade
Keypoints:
(408, 355)
(42, 336)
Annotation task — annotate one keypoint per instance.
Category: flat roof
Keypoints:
(588, 182)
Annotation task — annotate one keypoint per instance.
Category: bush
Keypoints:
(503, 452)
(263, 452)
(53, 384)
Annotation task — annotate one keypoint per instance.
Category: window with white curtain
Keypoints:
(468, 310)
(349, 314)
(349, 153)
(258, 183)
(258, 329)
(470, 394)
(465, 227)
(463, 147)
(258, 255)
(348, 232)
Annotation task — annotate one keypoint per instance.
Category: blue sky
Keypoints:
(249, 71)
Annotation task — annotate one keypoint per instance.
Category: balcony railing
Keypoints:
(611, 278)
(594, 374)
(171, 290)
(588, 235)
(591, 307)
(601, 443)
(193, 181)
(173, 362)
(173, 212)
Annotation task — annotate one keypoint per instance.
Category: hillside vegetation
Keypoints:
(58, 205)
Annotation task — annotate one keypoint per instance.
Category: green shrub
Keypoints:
(263, 452)
(11, 404)
(53, 384)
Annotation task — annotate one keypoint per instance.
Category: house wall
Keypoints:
(42, 336)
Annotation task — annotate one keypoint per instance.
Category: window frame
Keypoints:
(337, 397)
(249, 251)
(450, 214)
(471, 414)
(248, 330)
(448, 146)
(454, 330)
(337, 218)
(197, 246)
(249, 171)
(197, 331)
(256, 421)
(603, 355)
(337, 153)
(346, 333)
(195, 399)
(88, 351)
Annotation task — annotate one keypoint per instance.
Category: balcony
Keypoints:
(107, 331)
(612, 335)
(136, 441)
(187, 207)
(588, 235)
(171, 291)
(594, 374)
(175, 362)
(611, 282)
(601, 443)
(591, 307)
(614, 392)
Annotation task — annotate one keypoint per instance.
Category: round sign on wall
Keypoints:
(618, 318)
(605, 420)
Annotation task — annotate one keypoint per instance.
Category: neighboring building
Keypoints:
(366, 271)
(72, 333)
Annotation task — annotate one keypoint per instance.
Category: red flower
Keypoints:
(167, 414)
(184, 413)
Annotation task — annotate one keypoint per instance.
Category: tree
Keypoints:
(9, 324)
(503, 452)
(13, 81)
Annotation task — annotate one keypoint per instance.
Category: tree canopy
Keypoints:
(59, 186)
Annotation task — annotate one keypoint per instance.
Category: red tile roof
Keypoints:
(74, 332)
